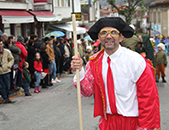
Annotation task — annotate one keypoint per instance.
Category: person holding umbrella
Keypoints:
(126, 95)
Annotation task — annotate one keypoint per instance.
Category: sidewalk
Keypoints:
(15, 93)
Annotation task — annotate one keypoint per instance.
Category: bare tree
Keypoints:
(128, 8)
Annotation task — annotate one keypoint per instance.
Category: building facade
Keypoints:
(26, 17)
(159, 16)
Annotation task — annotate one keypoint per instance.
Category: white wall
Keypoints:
(94, 11)
(77, 6)
(15, 5)
(62, 12)
(97, 10)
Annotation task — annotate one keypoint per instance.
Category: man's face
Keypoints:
(110, 42)
(35, 38)
(1, 45)
(50, 42)
(5, 38)
(13, 40)
(62, 41)
(159, 49)
(54, 39)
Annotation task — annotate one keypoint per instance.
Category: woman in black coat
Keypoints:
(30, 59)
(45, 63)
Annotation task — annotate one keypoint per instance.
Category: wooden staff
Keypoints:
(77, 73)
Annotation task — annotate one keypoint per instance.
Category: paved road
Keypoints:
(56, 109)
(163, 89)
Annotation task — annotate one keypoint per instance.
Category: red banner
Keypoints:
(40, 1)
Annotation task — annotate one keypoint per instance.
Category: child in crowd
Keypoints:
(45, 63)
(161, 61)
(88, 54)
(26, 78)
(38, 70)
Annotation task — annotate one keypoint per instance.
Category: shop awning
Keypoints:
(87, 29)
(16, 16)
(44, 16)
(68, 27)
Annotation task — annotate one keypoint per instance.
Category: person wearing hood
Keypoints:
(126, 95)
(161, 61)
(23, 55)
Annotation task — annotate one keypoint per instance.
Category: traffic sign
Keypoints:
(78, 16)
(155, 27)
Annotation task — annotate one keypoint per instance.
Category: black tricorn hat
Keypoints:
(115, 22)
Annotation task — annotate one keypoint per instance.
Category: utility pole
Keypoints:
(72, 6)
(150, 30)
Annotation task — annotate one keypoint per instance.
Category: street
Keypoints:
(56, 108)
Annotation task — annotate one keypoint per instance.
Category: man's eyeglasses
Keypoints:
(113, 33)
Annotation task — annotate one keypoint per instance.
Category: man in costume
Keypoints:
(126, 95)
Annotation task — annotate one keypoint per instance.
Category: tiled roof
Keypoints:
(158, 2)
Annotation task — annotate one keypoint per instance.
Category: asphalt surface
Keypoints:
(163, 89)
(56, 108)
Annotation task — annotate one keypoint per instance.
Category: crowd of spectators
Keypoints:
(24, 61)
(33, 62)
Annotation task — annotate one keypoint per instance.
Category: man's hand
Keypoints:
(76, 62)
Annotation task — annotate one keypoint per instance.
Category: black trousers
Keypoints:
(61, 65)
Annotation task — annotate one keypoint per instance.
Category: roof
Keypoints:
(159, 2)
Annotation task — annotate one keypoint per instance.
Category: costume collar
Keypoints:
(114, 56)
(1, 51)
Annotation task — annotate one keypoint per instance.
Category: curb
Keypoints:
(20, 93)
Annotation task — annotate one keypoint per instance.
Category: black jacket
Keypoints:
(31, 57)
(37, 45)
(45, 59)
(57, 51)
(62, 48)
